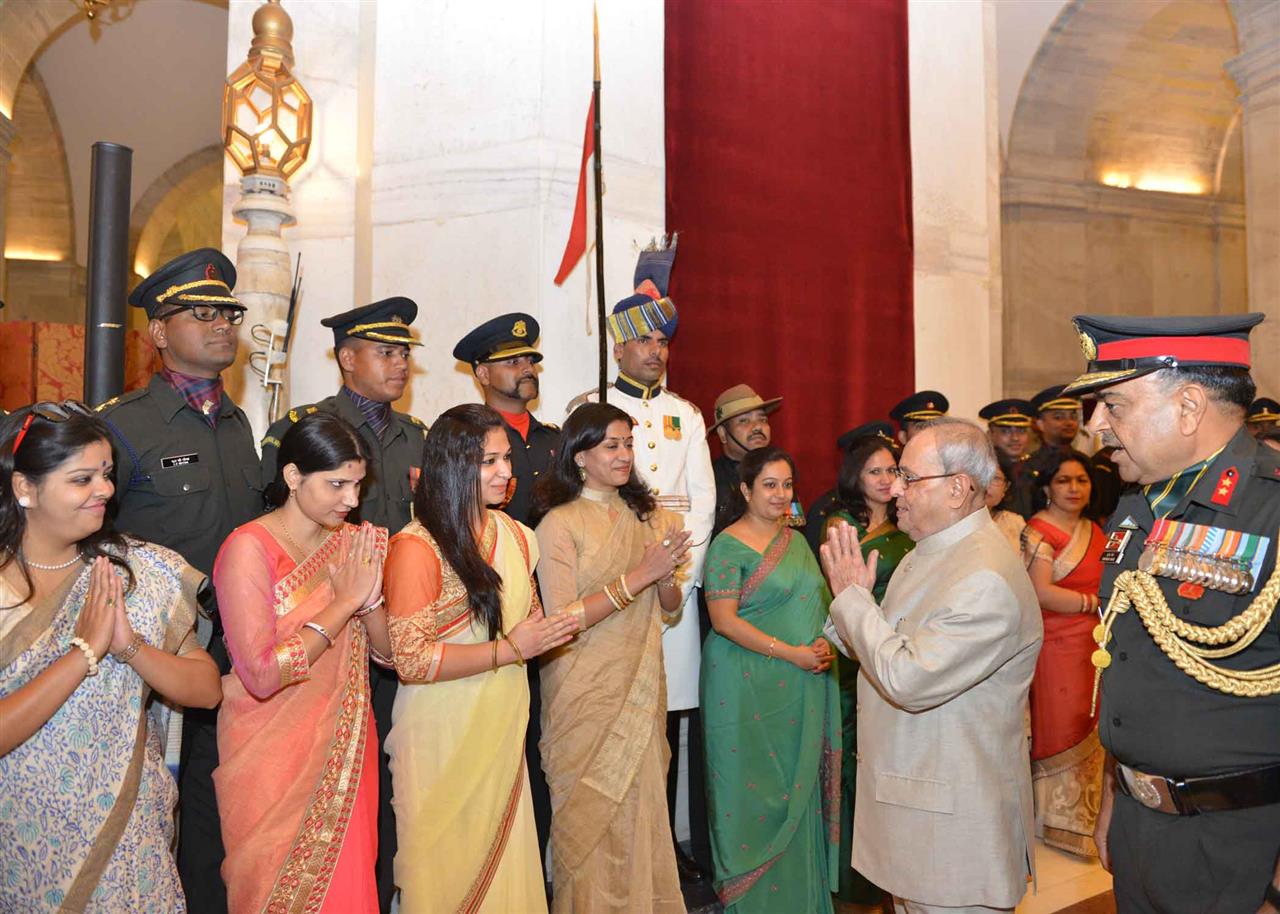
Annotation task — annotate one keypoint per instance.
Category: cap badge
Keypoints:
(1088, 346)
(930, 405)
(519, 330)
(397, 319)
(210, 272)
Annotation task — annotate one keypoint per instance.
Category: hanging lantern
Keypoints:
(266, 114)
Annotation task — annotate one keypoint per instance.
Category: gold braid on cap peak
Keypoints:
(1174, 636)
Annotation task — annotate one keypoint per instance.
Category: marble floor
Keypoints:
(1063, 880)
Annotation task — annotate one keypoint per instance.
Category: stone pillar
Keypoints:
(264, 278)
(1257, 72)
(7, 135)
(955, 178)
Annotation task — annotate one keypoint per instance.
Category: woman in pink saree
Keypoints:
(299, 592)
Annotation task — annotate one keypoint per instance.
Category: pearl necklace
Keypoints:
(67, 564)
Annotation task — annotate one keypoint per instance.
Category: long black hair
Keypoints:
(749, 469)
(44, 447)
(315, 444)
(1048, 468)
(583, 430)
(447, 503)
(849, 494)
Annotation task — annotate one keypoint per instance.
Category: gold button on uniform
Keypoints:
(648, 424)
(653, 467)
(652, 445)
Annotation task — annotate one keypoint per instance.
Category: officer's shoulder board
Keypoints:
(110, 405)
(551, 426)
(299, 411)
(414, 421)
(679, 399)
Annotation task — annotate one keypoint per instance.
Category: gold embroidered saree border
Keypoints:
(291, 590)
(36, 624)
(773, 555)
(479, 888)
(291, 657)
(303, 879)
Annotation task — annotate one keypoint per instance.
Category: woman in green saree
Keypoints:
(863, 500)
(770, 706)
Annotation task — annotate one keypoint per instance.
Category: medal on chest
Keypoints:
(1212, 558)
(671, 427)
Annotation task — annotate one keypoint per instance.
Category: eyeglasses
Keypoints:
(208, 313)
(51, 412)
(910, 479)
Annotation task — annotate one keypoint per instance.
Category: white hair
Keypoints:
(963, 447)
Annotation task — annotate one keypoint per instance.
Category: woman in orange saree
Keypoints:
(299, 593)
(464, 617)
(608, 557)
(1063, 551)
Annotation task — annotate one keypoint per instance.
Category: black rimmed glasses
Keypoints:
(208, 313)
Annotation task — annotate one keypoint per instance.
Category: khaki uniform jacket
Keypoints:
(943, 814)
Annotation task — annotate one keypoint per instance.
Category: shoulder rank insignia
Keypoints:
(106, 405)
(296, 414)
(1226, 486)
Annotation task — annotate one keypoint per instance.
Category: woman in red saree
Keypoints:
(299, 593)
(1063, 550)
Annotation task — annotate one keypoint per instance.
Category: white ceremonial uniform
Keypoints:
(673, 458)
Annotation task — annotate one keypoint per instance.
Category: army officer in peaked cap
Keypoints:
(503, 356)
(1009, 427)
(1263, 415)
(372, 346)
(1189, 642)
(187, 474)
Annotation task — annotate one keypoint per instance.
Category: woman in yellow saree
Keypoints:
(299, 591)
(609, 557)
(90, 624)
(464, 617)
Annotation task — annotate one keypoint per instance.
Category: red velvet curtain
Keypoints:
(789, 181)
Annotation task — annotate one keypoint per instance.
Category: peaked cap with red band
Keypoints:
(1120, 348)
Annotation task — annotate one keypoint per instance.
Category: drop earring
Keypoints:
(582, 472)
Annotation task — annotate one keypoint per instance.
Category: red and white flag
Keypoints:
(576, 246)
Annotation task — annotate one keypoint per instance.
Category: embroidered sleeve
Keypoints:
(264, 660)
(291, 657)
(1034, 546)
(722, 576)
(412, 581)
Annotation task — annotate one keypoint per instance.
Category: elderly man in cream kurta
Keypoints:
(943, 816)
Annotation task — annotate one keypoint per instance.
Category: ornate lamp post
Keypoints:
(266, 130)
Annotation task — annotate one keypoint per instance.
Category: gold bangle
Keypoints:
(772, 643)
(515, 650)
(608, 592)
(626, 591)
(125, 654)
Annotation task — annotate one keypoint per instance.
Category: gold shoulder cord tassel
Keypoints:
(1175, 637)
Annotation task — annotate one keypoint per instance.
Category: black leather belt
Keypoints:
(1192, 796)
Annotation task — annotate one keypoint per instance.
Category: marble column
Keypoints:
(1257, 72)
(7, 135)
(264, 277)
(955, 175)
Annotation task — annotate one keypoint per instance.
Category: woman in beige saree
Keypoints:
(464, 617)
(608, 557)
(299, 591)
(90, 624)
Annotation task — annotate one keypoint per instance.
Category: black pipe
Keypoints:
(108, 277)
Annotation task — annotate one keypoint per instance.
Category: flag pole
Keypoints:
(601, 324)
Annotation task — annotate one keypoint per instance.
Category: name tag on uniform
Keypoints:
(178, 460)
